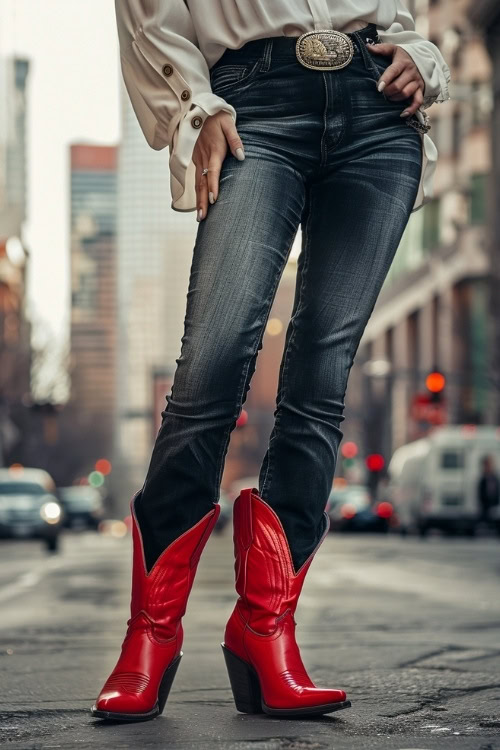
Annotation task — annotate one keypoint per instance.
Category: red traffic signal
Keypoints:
(375, 462)
(435, 381)
(349, 449)
(103, 465)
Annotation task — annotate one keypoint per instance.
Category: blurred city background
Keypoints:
(94, 268)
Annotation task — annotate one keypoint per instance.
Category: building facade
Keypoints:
(15, 332)
(485, 15)
(434, 309)
(93, 299)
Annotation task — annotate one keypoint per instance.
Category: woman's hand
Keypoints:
(217, 133)
(402, 78)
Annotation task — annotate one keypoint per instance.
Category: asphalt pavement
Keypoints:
(409, 628)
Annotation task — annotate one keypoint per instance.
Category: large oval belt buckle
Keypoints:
(325, 49)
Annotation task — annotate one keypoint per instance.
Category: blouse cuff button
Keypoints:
(197, 122)
(168, 70)
(185, 95)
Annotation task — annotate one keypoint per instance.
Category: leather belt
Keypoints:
(322, 49)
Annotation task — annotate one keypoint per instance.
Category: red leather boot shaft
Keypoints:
(265, 576)
(154, 636)
(164, 591)
(261, 629)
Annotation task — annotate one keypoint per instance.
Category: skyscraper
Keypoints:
(93, 298)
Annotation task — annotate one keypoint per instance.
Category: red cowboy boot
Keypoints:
(262, 657)
(138, 686)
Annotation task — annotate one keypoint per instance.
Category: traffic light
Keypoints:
(374, 463)
(435, 383)
(349, 449)
(103, 466)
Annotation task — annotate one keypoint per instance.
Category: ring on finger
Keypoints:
(204, 171)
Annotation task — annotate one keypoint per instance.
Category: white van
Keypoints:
(433, 481)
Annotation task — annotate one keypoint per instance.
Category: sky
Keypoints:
(72, 95)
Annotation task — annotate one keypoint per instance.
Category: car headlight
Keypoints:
(50, 512)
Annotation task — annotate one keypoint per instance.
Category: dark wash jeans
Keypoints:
(327, 151)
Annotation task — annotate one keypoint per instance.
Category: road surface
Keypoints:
(409, 628)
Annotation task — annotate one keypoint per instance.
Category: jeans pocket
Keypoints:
(228, 76)
(379, 63)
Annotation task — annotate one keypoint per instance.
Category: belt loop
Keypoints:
(265, 62)
(367, 58)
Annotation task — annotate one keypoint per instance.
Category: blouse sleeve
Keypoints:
(168, 82)
(426, 55)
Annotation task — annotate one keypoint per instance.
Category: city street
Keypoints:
(179, 188)
(409, 628)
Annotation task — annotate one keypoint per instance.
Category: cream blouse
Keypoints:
(168, 46)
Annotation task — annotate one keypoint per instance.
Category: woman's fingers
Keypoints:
(402, 78)
(402, 86)
(218, 132)
(418, 98)
(213, 177)
(233, 139)
(389, 76)
(386, 49)
(201, 192)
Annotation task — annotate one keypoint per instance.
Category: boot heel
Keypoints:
(166, 683)
(244, 683)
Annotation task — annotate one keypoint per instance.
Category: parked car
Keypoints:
(29, 507)
(433, 481)
(350, 509)
(83, 506)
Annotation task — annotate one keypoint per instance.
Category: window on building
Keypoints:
(477, 202)
(479, 100)
(452, 459)
(430, 231)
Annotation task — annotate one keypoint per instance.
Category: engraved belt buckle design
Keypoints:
(324, 49)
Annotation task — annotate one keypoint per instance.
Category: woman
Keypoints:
(277, 115)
